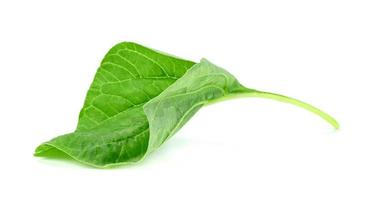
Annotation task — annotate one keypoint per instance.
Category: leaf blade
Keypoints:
(141, 97)
(112, 126)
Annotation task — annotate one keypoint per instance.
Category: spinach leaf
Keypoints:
(139, 98)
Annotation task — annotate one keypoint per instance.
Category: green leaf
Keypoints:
(141, 97)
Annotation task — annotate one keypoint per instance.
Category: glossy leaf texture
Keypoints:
(112, 126)
(141, 97)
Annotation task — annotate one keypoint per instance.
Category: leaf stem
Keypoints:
(281, 98)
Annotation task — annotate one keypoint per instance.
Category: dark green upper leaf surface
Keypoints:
(112, 126)
(129, 76)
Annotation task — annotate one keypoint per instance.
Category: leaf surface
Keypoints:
(141, 97)
(112, 126)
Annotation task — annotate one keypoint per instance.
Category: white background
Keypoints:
(239, 149)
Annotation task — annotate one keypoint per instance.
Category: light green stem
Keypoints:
(284, 99)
